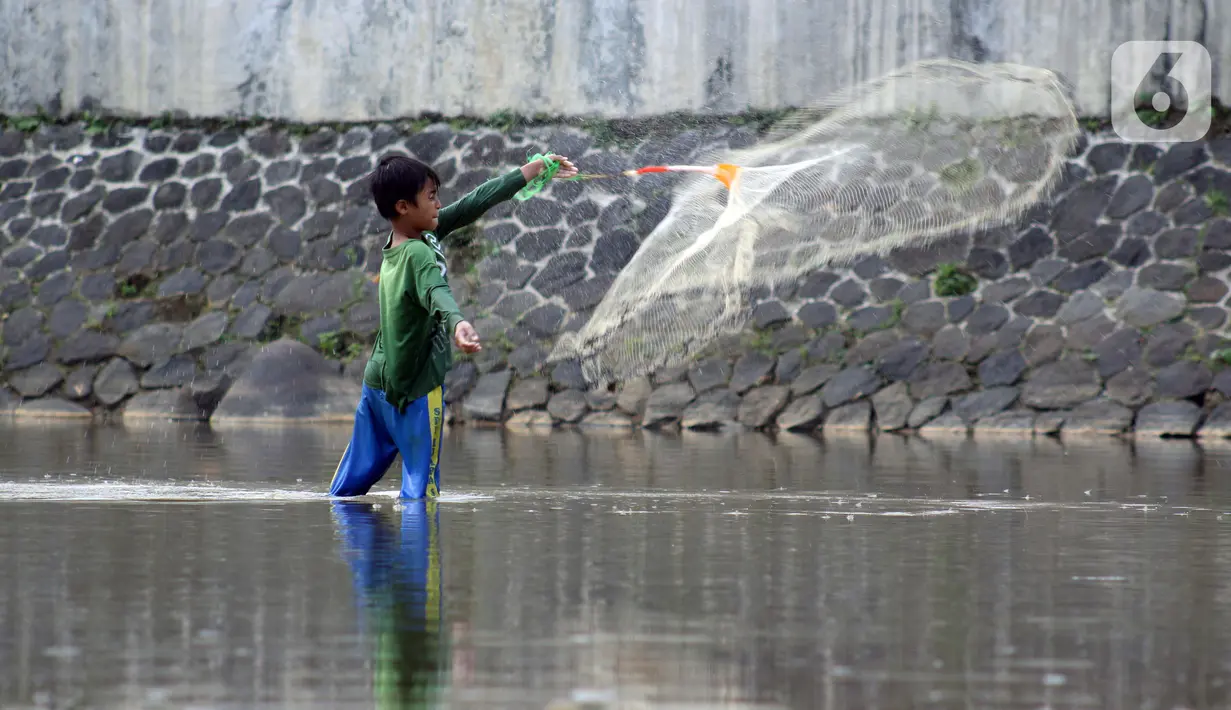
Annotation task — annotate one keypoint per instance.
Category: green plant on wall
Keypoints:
(341, 345)
(1221, 357)
(1218, 203)
(953, 280)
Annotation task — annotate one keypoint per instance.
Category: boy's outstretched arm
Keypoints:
(433, 293)
(491, 193)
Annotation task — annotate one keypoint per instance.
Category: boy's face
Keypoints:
(422, 215)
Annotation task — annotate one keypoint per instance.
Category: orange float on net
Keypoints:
(724, 172)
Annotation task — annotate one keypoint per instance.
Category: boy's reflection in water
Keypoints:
(395, 561)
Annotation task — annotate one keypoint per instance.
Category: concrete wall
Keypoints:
(346, 60)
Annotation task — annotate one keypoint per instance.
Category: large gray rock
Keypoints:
(1002, 368)
(287, 380)
(751, 370)
(892, 407)
(1015, 423)
(1100, 416)
(151, 343)
(925, 318)
(528, 394)
(978, 405)
(86, 346)
(760, 406)
(870, 349)
(319, 293)
(252, 321)
(21, 325)
(600, 399)
(1145, 307)
(633, 396)
(926, 411)
(1082, 305)
(901, 360)
(802, 414)
(1132, 387)
(186, 282)
(568, 375)
(788, 366)
(850, 384)
(36, 381)
(80, 383)
(1043, 343)
(1184, 379)
(175, 372)
(1114, 285)
(939, 378)
(709, 374)
(855, 417)
(812, 379)
(486, 400)
(1006, 290)
(817, 314)
(1060, 385)
(827, 348)
(568, 406)
(667, 404)
(1133, 194)
(115, 382)
(716, 409)
(205, 330)
(170, 404)
(1169, 419)
(950, 344)
(528, 359)
(1119, 351)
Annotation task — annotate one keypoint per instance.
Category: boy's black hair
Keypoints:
(398, 177)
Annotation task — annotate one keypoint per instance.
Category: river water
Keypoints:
(175, 566)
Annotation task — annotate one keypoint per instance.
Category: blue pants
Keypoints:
(381, 433)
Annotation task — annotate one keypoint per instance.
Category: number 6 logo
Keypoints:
(1160, 91)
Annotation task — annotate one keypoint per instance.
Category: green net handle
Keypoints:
(540, 181)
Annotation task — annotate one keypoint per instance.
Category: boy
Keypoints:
(402, 406)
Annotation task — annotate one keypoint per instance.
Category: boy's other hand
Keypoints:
(466, 338)
(533, 169)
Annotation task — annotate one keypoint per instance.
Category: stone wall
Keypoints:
(188, 272)
(344, 60)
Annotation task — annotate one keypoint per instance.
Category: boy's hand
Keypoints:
(534, 168)
(466, 337)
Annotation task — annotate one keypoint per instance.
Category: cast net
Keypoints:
(935, 149)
